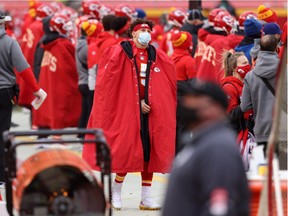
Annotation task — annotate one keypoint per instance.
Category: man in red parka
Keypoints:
(135, 105)
(59, 79)
(207, 35)
(211, 64)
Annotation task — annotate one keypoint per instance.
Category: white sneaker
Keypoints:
(116, 200)
(149, 204)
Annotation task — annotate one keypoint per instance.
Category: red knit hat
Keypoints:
(181, 39)
(266, 15)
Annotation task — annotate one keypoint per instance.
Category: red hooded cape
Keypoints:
(184, 64)
(58, 77)
(30, 39)
(116, 110)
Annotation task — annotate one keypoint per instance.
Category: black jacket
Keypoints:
(209, 163)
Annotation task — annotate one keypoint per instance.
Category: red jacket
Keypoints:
(58, 77)
(184, 64)
(205, 38)
(30, 39)
(116, 110)
(232, 86)
(211, 64)
(233, 40)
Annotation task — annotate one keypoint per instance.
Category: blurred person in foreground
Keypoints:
(208, 177)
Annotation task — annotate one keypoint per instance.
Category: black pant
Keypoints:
(87, 102)
(6, 95)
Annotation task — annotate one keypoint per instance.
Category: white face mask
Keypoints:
(144, 38)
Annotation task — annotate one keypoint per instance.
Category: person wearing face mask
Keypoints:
(135, 106)
(207, 177)
(236, 66)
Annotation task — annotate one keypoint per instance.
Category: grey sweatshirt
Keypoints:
(81, 60)
(257, 96)
(11, 57)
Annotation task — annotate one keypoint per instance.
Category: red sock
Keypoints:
(146, 178)
(119, 178)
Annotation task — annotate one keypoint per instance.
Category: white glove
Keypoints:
(92, 78)
(40, 97)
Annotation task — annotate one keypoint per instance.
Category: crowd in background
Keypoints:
(65, 47)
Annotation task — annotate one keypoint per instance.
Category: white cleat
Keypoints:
(149, 204)
(116, 201)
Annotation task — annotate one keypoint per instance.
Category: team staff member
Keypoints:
(208, 176)
(11, 58)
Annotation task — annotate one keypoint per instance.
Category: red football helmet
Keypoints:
(126, 10)
(177, 17)
(224, 22)
(61, 24)
(106, 10)
(214, 13)
(71, 13)
(244, 16)
(57, 6)
(44, 10)
(91, 8)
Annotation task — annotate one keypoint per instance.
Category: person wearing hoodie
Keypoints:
(183, 61)
(256, 94)
(236, 66)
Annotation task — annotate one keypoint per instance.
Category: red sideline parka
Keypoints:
(116, 110)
